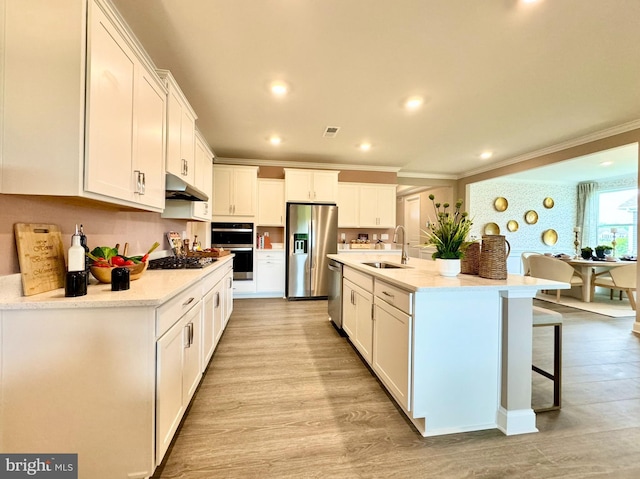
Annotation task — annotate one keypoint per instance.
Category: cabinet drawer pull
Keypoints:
(388, 294)
(188, 301)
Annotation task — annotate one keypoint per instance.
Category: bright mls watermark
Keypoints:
(43, 466)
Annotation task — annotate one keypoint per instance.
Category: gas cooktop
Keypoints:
(174, 262)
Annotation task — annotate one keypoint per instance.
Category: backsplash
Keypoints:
(104, 225)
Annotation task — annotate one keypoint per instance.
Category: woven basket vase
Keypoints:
(493, 257)
(470, 263)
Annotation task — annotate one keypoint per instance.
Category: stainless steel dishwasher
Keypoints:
(334, 294)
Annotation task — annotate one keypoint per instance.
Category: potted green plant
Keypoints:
(587, 252)
(449, 236)
(602, 250)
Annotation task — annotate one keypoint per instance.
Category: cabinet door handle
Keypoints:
(138, 184)
(188, 301)
(353, 297)
(187, 336)
(373, 314)
(217, 299)
(191, 328)
(144, 183)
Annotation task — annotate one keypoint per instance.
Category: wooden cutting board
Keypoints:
(41, 257)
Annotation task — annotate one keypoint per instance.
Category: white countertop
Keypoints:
(152, 289)
(421, 275)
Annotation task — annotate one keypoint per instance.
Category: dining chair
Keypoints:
(526, 270)
(547, 267)
(622, 278)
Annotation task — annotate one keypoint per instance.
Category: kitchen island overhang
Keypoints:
(469, 342)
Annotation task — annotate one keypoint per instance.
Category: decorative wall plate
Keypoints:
(531, 217)
(491, 229)
(501, 204)
(512, 225)
(548, 202)
(549, 237)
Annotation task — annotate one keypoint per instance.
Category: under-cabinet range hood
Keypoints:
(178, 189)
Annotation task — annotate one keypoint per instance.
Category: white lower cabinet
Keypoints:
(178, 368)
(357, 310)
(216, 298)
(109, 383)
(178, 374)
(377, 317)
(391, 350)
(227, 297)
(212, 310)
(270, 272)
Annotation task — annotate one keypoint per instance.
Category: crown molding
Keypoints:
(305, 165)
(427, 176)
(599, 135)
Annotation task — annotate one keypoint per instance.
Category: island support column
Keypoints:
(515, 415)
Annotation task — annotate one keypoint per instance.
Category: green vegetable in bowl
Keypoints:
(103, 252)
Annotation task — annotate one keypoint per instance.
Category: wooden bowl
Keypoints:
(103, 274)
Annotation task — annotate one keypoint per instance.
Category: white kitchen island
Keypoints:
(455, 353)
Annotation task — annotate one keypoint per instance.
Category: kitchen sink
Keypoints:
(384, 265)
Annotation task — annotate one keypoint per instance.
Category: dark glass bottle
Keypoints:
(83, 243)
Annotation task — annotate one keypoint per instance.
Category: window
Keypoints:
(617, 220)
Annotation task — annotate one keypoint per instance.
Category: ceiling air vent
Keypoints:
(331, 131)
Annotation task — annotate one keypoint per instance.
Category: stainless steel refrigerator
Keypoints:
(312, 234)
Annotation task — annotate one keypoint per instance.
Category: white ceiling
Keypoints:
(616, 162)
(496, 75)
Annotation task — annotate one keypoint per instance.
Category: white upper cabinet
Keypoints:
(348, 203)
(107, 145)
(181, 132)
(366, 205)
(234, 190)
(311, 185)
(377, 206)
(271, 202)
(203, 178)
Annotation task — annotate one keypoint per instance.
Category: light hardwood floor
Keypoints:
(286, 397)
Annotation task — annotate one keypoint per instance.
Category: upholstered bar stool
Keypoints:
(546, 317)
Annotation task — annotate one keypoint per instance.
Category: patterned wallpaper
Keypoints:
(521, 197)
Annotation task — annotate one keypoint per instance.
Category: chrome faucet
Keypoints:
(404, 258)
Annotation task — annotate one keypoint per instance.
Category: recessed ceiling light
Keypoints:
(275, 140)
(413, 103)
(606, 163)
(485, 155)
(365, 146)
(279, 88)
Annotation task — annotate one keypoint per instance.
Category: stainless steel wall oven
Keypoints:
(238, 238)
